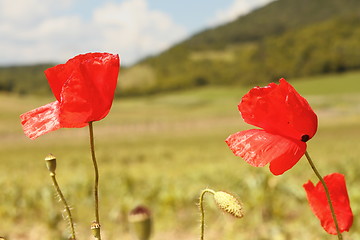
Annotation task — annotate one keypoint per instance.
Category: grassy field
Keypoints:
(162, 151)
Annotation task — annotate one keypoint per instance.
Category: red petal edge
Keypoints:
(340, 200)
(41, 120)
(98, 66)
(279, 109)
(85, 87)
(258, 148)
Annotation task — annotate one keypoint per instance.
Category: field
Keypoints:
(162, 151)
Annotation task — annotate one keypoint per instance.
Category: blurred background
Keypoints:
(185, 66)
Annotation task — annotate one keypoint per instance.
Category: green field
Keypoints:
(161, 151)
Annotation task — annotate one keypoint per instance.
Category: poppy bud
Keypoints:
(50, 161)
(95, 229)
(140, 219)
(228, 203)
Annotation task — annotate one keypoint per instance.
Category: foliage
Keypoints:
(285, 38)
(331, 46)
(24, 79)
(274, 19)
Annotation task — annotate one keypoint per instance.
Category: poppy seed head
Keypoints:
(95, 229)
(50, 161)
(229, 203)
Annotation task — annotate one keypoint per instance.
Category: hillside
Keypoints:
(273, 19)
(24, 79)
(286, 38)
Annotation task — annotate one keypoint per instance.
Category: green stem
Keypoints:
(326, 193)
(62, 198)
(201, 200)
(96, 172)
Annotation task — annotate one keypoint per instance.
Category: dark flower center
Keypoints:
(305, 138)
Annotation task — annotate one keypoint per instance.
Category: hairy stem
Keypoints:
(201, 200)
(327, 194)
(67, 208)
(96, 172)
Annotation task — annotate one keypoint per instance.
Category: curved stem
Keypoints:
(67, 208)
(96, 172)
(326, 193)
(201, 200)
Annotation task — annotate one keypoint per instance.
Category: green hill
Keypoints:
(273, 19)
(286, 38)
(24, 79)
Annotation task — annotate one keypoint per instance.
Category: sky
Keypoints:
(41, 31)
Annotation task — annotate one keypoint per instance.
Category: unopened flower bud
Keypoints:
(95, 229)
(228, 203)
(50, 161)
(140, 219)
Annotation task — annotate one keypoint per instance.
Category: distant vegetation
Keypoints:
(161, 151)
(24, 79)
(287, 38)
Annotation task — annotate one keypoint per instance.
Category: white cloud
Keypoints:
(236, 9)
(25, 12)
(136, 30)
(39, 32)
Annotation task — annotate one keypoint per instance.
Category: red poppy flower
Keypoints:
(339, 198)
(287, 122)
(84, 90)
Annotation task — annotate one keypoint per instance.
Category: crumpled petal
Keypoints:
(279, 109)
(258, 148)
(41, 120)
(340, 200)
(84, 88)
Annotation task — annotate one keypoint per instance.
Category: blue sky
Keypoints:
(35, 31)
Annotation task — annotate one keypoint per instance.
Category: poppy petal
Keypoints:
(258, 148)
(279, 109)
(41, 120)
(339, 198)
(102, 74)
(85, 87)
(75, 107)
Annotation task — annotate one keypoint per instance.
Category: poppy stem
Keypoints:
(201, 200)
(326, 193)
(67, 208)
(96, 171)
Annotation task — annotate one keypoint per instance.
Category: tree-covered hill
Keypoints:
(286, 38)
(273, 19)
(24, 79)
